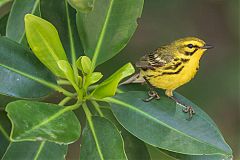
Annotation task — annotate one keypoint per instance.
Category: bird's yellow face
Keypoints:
(187, 47)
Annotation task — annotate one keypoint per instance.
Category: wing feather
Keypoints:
(159, 58)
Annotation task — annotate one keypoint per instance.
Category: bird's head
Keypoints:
(190, 46)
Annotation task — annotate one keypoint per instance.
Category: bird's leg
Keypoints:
(131, 79)
(187, 109)
(151, 93)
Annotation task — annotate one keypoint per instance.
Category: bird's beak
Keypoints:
(206, 46)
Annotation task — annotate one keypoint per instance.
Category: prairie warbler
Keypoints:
(171, 66)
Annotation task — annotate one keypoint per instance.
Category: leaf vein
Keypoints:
(155, 119)
(39, 150)
(102, 34)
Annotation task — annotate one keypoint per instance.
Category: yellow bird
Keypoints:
(171, 66)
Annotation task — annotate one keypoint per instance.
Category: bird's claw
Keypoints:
(152, 95)
(190, 111)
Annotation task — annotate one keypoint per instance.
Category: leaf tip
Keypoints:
(29, 17)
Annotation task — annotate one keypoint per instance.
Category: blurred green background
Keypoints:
(216, 86)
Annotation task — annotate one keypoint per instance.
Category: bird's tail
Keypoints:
(136, 78)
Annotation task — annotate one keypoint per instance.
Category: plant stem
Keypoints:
(92, 87)
(75, 106)
(90, 122)
(76, 88)
(64, 101)
(87, 111)
(97, 107)
(101, 100)
(63, 82)
(63, 91)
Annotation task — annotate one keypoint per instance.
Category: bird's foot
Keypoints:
(190, 111)
(186, 109)
(152, 95)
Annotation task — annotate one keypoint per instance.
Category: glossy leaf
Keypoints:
(155, 153)
(92, 78)
(65, 23)
(165, 118)
(108, 27)
(95, 77)
(50, 122)
(108, 87)
(167, 155)
(21, 72)
(82, 5)
(135, 149)
(43, 39)
(35, 151)
(16, 18)
(67, 70)
(84, 64)
(102, 143)
(5, 128)
(177, 156)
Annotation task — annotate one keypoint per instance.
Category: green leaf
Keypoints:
(35, 151)
(166, 125)
(177, 156)
(82, 5)
(16, 18)
(104, 142)
(107, 29)
(108, 87)
(5, 128)
(43, 39)
(65, 22)
(155, 153)
(93, 78)
(67, 70)
(50, 122)
(84, 64)
(135, 149)
(21, 72)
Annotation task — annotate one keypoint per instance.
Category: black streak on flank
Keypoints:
(174, 66)
(150, 75)
(169, 73)
(190, 53)
(184, 60)
(145, 68)
(176, 59)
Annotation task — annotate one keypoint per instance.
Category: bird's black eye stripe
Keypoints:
(190, 53)
(190, 46)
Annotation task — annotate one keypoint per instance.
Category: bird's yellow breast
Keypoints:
(172, 80)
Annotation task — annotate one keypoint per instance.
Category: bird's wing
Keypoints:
(159, 58)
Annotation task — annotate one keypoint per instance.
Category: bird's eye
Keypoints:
(190, 45)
